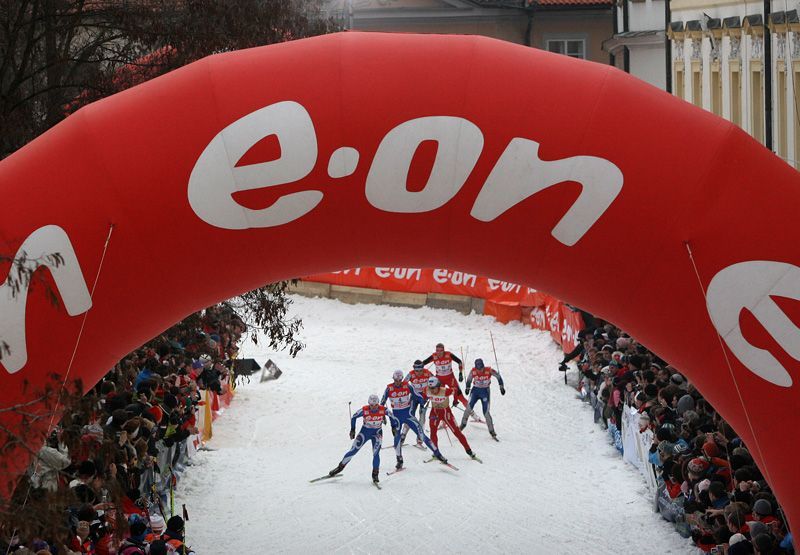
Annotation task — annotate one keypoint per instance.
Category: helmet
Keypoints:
(397, 375)
(418, 365)
(440, 346)
(478, 363)
(373, 400)
(433, 381)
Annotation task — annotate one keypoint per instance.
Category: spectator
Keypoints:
(708, 482)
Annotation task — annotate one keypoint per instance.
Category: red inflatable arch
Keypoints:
(572, 177)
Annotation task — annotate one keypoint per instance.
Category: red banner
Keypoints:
(503, 298)
(562, 321)
(438, 280)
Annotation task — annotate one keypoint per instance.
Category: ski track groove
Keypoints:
(553, 484)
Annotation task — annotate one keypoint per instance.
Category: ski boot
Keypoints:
(337, 470)
(462, 426)
(440, 457)
(419, 443)
(470, 453)
(493, 434)
(399, 464)
(375, 472)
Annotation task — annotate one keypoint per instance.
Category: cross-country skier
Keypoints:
(372, 430)
(399, 393)
(482, 376)
(443, 361)
(418, 380)
(440, 412)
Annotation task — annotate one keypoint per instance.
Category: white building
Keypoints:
(639, 44)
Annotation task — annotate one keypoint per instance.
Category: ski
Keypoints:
(326, 477)
(420, 446)
(432, 459)
(396, 470)
(377, 485)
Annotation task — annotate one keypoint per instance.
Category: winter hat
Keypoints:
(698, 465)
(677, 379)
(175, 524)
(157, 524)
(156, 412)
(651, 390)
(756, 527)
(197, 365)
(762, 507)
(158, 547)
(690, 416)
(666, 448)
(710, 449)
(743, 547)
(138, 529)
(685, 403)
(736, 538)
(664, 433)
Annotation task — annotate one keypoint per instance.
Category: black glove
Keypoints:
(502, 390)
(466, 391)
(394, 431)
(455, 402)
(460, 376)
(352, 434)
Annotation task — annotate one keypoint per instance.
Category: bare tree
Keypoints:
(57, 55)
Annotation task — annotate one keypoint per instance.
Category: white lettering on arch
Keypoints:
(520, 174)
(68, 277)
(749, 285)
(215, 176)
(459, 144)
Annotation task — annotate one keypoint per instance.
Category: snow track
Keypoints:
(552, 485)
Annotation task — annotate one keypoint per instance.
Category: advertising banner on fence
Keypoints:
(437, 280)
(548, 313)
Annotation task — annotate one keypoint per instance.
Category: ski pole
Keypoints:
(461, 370)
(448, 434)
(350, 410)
(496, 364)
(171, 494)
(185, 520)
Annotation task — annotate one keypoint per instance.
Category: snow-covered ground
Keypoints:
(552, 485)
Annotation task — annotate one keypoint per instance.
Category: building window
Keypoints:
(716, 91)
(736, 93)
(795, 81)
(574, 48)
(697, 84)
(757, 103)
(781, 116)
(680, 90)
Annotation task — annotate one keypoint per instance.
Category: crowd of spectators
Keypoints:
(707, 481)
(116, 459)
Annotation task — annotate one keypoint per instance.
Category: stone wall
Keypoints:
(361, 295)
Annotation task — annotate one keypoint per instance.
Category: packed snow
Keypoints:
(553, 484)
